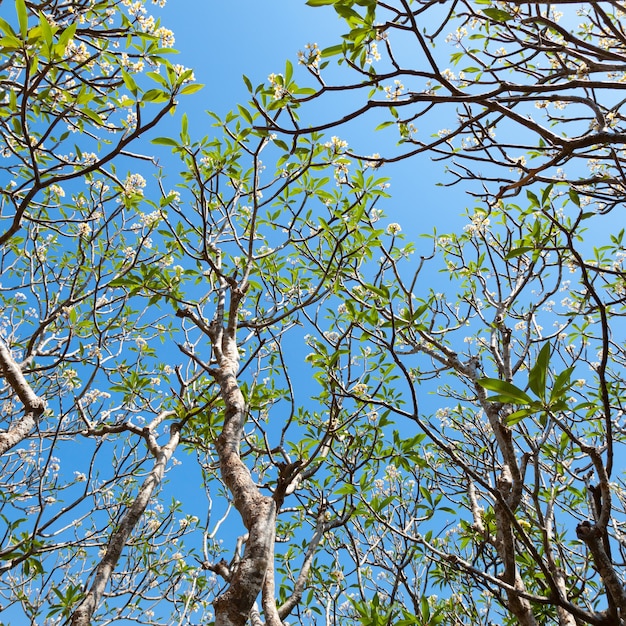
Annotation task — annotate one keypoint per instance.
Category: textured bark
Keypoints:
(257, 511)
(84, 613)
(565, 617)
(33, 405)
(505, 544)
(593, 536)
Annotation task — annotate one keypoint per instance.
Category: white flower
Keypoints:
(134, 185)
(311, 56)
(57, 190)
(150, 219)
(336, 144)
(393, 228)
(393, 92)
(360, 389)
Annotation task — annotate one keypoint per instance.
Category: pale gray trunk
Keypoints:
(33, 405)
(258, 512)
(84, 613)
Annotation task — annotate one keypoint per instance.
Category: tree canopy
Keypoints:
(234, 392)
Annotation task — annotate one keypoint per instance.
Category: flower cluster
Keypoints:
(373, 54)
(277, 82)
(336, 144)
(310, 56)
(479, 224)
(134, 185)
(393, 92)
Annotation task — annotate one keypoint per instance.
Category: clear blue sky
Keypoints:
(223, 40)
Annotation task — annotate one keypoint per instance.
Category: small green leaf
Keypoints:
(245, 114)
(130, 83)
(288, 72)
(538, 373)
(165, 141)
(92, 115)
(155, 95)
(9, 43)
(506, 391)
(22, 17)
(518, 416)
(332, 51)
(385, 124)
(46, 30)
(534, 200)
(518, 252)
(498, 15)
(562, 385)
(5, 27)
(66, 35)
(189, 89)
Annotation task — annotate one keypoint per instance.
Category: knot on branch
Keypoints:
(586, 531)
(221, 569)
(37, 406)
(287, 479)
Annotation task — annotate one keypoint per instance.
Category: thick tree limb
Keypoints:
(257, 511)
(84, 613)
(593, 536)
(33, 405)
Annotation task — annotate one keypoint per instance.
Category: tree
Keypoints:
(524, 455)
(143, 320)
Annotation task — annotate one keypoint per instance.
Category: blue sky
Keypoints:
(222, 41)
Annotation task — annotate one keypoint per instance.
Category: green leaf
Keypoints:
(130, 83)
(534, 200)
(158, 78)
(518, 416)
(385, 124)
(155, 95)
(92, 115)
(574, 197)
(5, 27)
(46, 30)
(498, 15)
(245, 114)
(506, 391)
(319, 3)
(66, 35)
(9, 43)
(562, 385)
(332, 51)
(518, 252)
(288, 72)
(191, 89)
(348, 14)
(538, 373)
(22, 17)
(383, 292)
(165, 141)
